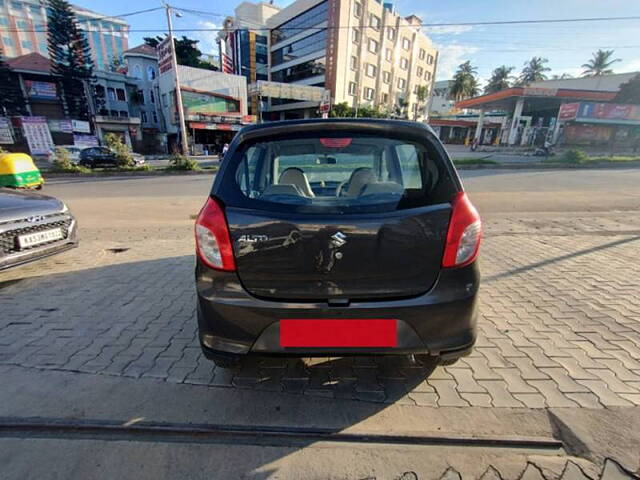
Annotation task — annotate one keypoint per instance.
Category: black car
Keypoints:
(93, 157)
(337, 237)
(33, 226)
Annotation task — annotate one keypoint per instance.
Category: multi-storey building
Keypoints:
(361, 50)
(23, 25)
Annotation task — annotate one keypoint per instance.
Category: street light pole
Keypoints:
(174, 63)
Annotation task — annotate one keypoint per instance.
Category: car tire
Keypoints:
(228, 362)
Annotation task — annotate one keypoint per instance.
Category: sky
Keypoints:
(566, 45)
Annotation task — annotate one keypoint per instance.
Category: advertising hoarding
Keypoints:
(36, 131)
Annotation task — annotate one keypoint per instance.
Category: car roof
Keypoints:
(371, 125)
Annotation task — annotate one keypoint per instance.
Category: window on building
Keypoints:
(300, 48)
(141, 98)
(357, 9)
(373, 46)
(27, 44)
(310, 18)
(414, 108)
(372, 70)
(369, 93)
(430, 59)
(151, 73)
(355, 35)
(155, 117)
(354, 62)
(422, 53)
(391, 33)
(44, 48)
(16, 5)
(388, 54)
(415, 89)
(402, 83)
(124, 114)
(143, 116)
(35, 10)
(121, 95)
(386, 77)
(406, 43)
(111, 93)
(4, 21)
(404, 63)
(113, 113)
(137, 72)
(8, 41)
(352, 88)
(22, 24)
(427, 75)
(374, 21)
(419, 71)
(385, 98)
(165, 100)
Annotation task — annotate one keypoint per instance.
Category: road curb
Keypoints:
(55, 175)
(547, 166)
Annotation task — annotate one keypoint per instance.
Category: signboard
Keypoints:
(539, 92)
(62, 126)
(208, 103)
(333, 30)
(81, 126)
(6, 132)
(325, 104)
(165, 62)
(289, 91)
(85, 141)
(41, 90)
(214, 126)
(568, 111)
(36, 131)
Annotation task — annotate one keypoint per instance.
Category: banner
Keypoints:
(569, 111)
(62, 126)
(41, 90)
(85, 141)
(6, 132)
(165, 62)
(81, 126)
(208, 104)
(608, 111)
(36, 131)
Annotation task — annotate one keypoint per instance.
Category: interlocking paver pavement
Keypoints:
(559, 321)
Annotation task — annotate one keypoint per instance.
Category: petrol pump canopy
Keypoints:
(536, 98)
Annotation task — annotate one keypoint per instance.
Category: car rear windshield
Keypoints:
(341, 174)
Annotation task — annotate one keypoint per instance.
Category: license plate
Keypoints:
(32, 239)
(329, 332)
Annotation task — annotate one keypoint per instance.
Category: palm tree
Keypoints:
(500, 79)
(533, 71)
(562, 76)
(599, 63)
(421, 95)
(465, 83)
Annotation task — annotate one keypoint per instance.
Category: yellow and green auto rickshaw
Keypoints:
(17, 170)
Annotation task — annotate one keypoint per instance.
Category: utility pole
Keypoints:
(174, 63)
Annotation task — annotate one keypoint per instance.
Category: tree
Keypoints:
(465, 83)
(533, 71)
(11, 98)
(500, 79)
(422, 95)
(343, 110)
(599, 63)
(562, 76)
(187, 51)
(70, 57)
(629, 91)
(120, 149)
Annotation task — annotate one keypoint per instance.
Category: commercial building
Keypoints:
(362, 51)
(576, 111)
(142, 68)
(215, 106)
(23, 30)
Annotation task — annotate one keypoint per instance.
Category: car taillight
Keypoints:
(464, 235)
(213, 242)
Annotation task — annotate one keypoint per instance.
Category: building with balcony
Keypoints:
(363, 51)
(23, 25)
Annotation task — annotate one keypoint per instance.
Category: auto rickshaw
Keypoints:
(17, 170)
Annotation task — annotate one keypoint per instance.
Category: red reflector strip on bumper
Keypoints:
(362, 332)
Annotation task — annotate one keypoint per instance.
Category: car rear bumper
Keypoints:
(440, 322)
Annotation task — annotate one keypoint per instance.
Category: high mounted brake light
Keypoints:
(335, 142)
(464, 234)
(213, 243)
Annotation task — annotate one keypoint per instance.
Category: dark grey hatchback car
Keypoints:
(337, 237)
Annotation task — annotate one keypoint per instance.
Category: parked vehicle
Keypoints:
(337, 237)
(74, 153)
(17, 170)
(33, 226)
(93, 157)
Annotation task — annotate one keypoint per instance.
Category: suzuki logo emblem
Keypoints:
(338, 239)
